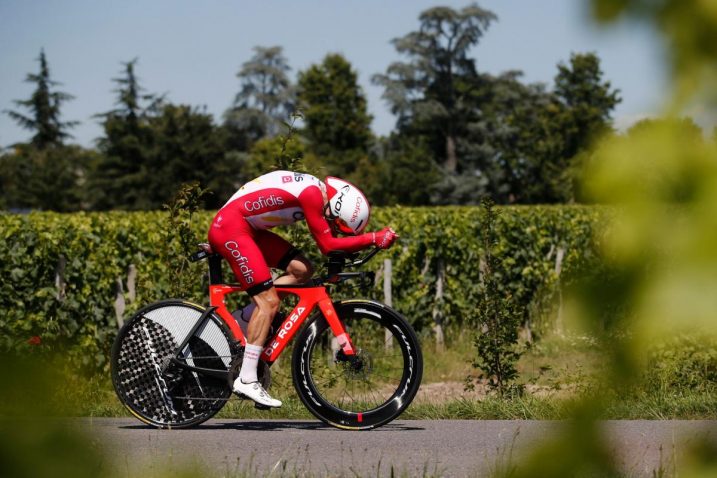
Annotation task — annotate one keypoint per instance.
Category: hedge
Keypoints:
(60, 272)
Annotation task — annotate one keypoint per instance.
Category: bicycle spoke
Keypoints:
(373, 395)
(384, 376)
(333, 378)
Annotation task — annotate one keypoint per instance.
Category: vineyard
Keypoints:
(69, 278)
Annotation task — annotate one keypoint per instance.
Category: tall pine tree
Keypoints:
(428, 92)
(43, 173)
(43, 107)
(119, 179)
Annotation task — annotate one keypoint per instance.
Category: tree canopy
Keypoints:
(461, 133)
(266, 97)
(428, 91)
(337, 123)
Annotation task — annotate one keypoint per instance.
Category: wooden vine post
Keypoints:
(387, 298)
(558, 269)
(60, 283)
(438, 304)
(121, 300)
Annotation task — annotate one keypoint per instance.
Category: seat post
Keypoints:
(215, 269)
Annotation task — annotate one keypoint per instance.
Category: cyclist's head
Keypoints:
(348, 210)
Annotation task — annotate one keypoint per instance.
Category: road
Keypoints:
(425, 447)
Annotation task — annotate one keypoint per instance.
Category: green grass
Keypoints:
(491, 408)
(557, 371)
(96, 398)
(679, 405)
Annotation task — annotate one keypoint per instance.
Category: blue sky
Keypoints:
(192, 50)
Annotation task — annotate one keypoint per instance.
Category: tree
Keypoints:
(44, 173)
(49, 179)
(587, 99)
(151, 147)
(335, 114)
(428, 91)
(585, 102)
(188, 147)
(265, 99)
(685, 128)
(497, 318)
(530, 142)
(44, 109)
(407, 171)
(118, 180)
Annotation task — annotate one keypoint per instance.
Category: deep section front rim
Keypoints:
(369, 390)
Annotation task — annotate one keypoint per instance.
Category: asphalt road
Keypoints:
(430, 447)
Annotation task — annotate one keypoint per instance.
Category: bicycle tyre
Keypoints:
(157, 392)
(318, 382)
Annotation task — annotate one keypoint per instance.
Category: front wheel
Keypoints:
(370, 388)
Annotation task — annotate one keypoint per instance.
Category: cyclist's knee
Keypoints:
(301, 269)
(267, 301)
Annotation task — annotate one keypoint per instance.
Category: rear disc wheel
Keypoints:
(157, 391)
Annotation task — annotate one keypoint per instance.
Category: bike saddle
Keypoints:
(205, 250)
(205, 247)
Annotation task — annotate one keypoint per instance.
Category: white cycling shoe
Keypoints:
(256, 392)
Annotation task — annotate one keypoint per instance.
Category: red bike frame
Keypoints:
(309, 297)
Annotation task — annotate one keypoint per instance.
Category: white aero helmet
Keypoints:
(348, 209)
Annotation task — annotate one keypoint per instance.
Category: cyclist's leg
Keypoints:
(298, 271)
(234, 240)
(252, 272)
(247, 383)
(267, 305)
(281, 254)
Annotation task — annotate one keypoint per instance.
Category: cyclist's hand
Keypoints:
(384, 238)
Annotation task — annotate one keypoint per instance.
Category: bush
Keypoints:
(92, 253)
(687, 362)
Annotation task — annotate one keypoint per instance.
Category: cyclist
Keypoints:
(336, 212)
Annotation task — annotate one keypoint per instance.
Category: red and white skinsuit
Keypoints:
(240, 230)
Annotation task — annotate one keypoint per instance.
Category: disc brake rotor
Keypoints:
(357, 367)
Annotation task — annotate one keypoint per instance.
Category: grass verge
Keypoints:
(95, 397)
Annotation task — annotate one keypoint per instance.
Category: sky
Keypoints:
(192, 50)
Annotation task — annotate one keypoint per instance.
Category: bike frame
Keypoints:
(309, 296)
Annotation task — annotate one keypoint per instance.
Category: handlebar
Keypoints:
(338, 260)
(367, 258)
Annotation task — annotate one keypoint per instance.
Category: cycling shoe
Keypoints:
(254, 391)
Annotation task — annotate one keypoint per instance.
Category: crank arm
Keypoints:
(205, 399)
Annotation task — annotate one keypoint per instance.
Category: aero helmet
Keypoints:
(348, 210)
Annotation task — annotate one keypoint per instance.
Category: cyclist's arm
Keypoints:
(312, 203)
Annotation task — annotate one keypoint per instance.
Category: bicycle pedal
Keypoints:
(259, 406)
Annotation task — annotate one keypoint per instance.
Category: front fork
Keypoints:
(327, 308)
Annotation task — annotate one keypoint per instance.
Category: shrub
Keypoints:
(62, 273)
(687, 362)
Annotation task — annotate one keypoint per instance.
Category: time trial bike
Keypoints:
(356, 364)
